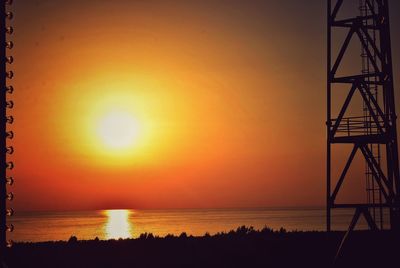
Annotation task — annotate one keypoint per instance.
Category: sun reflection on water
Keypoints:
(118, 225)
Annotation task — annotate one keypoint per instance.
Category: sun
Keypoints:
(117, 129)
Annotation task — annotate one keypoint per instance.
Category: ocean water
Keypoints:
(114, 224)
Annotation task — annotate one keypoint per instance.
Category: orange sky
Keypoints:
(229, 97)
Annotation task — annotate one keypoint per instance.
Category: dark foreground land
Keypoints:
(244, 247)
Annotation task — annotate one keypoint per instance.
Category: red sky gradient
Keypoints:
(229, 96)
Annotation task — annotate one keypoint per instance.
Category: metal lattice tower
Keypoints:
(368, 123)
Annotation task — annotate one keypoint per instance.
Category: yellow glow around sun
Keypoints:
(118, 129)
(120, 120)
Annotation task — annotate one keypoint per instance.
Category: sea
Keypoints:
(130, 223)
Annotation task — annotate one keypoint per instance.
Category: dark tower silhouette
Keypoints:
(365, 117)
(6, 104)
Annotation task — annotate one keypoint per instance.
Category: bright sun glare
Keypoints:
(118, 125)
(118, 225)
(117, 129)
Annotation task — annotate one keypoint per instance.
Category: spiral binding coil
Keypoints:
(9, 150)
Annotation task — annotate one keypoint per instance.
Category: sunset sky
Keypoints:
(220, 103)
